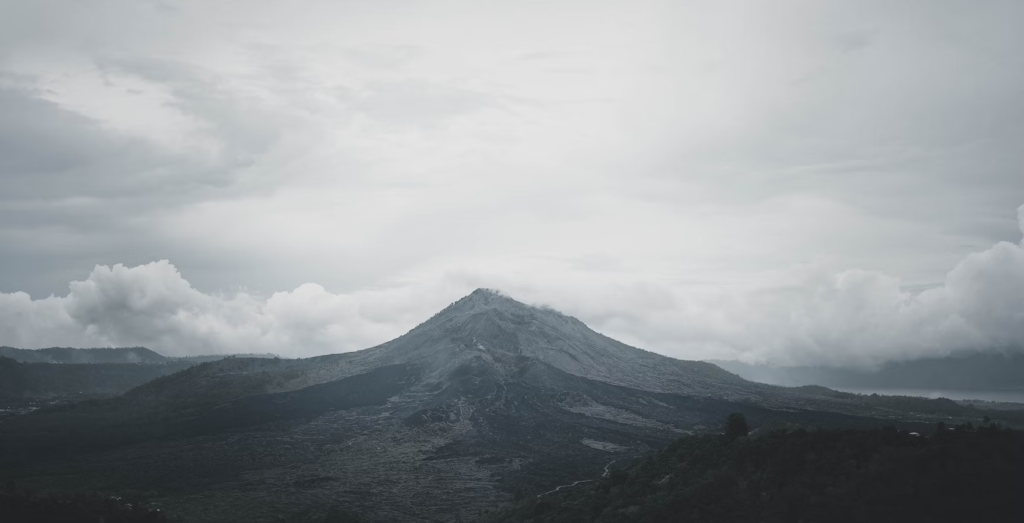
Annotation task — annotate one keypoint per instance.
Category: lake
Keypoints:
(1011, 396)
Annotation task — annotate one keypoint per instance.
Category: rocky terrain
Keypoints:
(488, 401)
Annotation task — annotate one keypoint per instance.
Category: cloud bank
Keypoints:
(154, 306)
(853, 317)
(248, 141)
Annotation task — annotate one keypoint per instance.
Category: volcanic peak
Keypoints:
(496, 304)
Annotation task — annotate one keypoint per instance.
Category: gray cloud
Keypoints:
(75, 189)
(47, 151)
(693, 177)
(241, 127)
(414, 103)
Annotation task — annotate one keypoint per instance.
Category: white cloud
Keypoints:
(152, 305)
(853, 317)
(25, 322)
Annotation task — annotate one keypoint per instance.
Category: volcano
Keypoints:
(491, 329)
(488, 400)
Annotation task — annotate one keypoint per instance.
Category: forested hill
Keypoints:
(48, 380)
(963, 474)
(124, 355)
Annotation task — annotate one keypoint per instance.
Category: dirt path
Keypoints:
(573, 484)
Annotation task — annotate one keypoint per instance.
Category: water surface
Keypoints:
(1011, 396)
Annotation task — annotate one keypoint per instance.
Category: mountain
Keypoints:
(487, 329)
(487, 325)
(975, 371)
(488, 400)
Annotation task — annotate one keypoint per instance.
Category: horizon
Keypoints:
(953, 355)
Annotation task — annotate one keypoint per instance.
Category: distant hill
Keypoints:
(68, 374)
(109, 355)
(68, 381)
(967, 371)
(70, 355)
(214, 357)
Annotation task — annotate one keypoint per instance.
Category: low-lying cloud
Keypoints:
(154, 306)
(854, 317)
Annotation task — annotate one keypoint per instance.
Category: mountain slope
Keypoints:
(386, 442)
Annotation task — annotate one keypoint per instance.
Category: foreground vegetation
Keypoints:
(961, 473)
(21, 505)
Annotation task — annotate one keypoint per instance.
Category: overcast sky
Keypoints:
(792, 182)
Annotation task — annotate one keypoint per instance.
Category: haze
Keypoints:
(786, 182)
